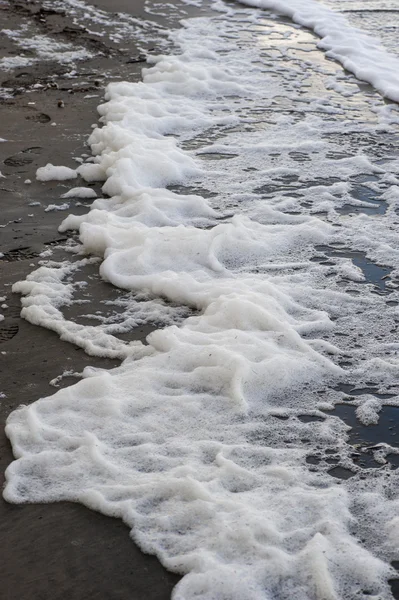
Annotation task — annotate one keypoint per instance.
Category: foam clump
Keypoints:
(80, 192)
(53, 173)
(368, 411)
(52, 207)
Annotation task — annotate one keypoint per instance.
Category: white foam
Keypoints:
(55, 173)
(52, 207)
(196, 440)
(80, 192)
(368, 411)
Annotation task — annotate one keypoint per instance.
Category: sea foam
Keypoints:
(197, 440)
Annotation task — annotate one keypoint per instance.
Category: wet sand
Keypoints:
(61, 550)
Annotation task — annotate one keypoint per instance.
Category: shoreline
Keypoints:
(81, 543)
(61, 550)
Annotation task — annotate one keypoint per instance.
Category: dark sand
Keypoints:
(60, 550)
